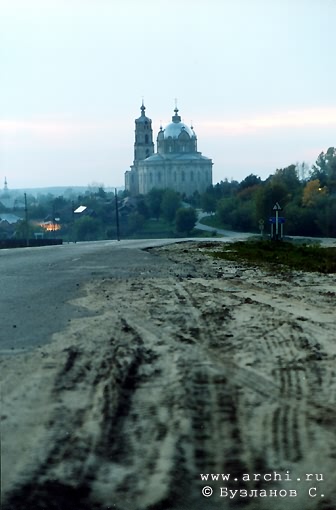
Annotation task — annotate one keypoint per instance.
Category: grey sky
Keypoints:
(257, 78)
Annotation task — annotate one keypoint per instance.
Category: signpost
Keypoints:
(277, 208)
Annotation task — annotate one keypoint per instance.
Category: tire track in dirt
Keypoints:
(199, 373)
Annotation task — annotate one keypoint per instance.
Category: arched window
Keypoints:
(146, 138)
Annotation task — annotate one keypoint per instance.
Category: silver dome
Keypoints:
(174, 129)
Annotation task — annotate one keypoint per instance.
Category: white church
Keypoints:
(176, 165)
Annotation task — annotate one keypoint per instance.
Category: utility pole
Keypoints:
(26, 220)
(117, 213)
(73, 221)
(54, 220)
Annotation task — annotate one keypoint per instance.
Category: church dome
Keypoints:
(143, 117)
(177, 128)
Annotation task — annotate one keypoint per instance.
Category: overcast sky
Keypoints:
(257, 78)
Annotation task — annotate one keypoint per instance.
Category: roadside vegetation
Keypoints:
(280, 255)
(307, 197)
(92, 216)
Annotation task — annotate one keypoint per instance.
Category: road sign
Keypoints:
(277, 207)
(273, 219)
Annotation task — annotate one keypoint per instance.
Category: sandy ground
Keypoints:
(211, 368)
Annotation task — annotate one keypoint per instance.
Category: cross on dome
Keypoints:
(143, 108)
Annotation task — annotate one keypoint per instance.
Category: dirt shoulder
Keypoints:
(210, 367)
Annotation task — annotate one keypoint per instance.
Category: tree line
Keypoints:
(306, 195)
(60, 216)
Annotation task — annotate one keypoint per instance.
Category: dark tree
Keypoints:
(170, 203)
(249, 181)
(208, 202)
(322, 168)
(186, 218)
(154, 199)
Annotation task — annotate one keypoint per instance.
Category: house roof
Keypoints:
(9, 218)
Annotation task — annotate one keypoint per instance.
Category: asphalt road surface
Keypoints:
(37, 285)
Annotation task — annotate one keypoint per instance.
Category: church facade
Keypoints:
(176, 165)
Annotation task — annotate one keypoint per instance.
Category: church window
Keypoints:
(170, 148)
(183, 176)
(146, 138)
(191, 175)
(147, 153)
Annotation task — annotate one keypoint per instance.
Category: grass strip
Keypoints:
(280, 255)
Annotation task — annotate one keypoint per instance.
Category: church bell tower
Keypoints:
(143, 145)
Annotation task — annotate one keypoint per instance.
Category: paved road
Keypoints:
(227, 233)
(38, 283)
